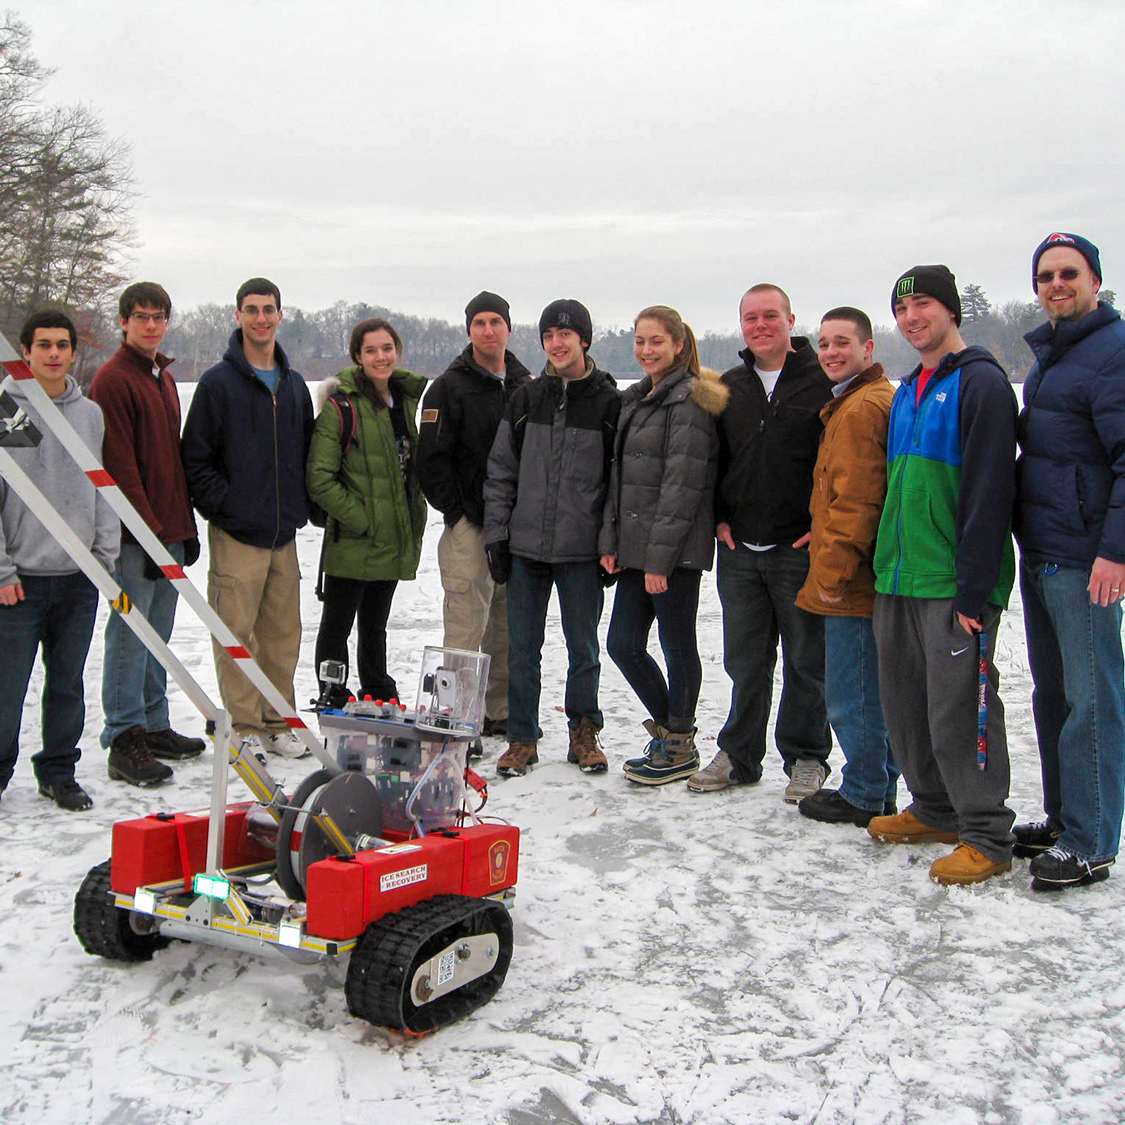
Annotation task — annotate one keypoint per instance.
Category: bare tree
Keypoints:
(65, 194)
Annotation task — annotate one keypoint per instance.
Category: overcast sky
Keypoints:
(623, 152)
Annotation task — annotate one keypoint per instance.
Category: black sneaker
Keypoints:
(175, 747)
(1056, 869)
(829, 806)
(67, 795)
(476, 750)
(495, 728)
(1034, 839)
(130, 760)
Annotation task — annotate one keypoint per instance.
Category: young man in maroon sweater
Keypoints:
(138, 396)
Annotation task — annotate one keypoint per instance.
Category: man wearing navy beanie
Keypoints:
(1071, 528)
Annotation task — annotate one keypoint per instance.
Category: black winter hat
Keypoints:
(487, 302)
(932, 281)
(1070, 242)
(570, 314)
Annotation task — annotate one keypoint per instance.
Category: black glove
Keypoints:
(499, 561)
(191, 554)
(152, 571)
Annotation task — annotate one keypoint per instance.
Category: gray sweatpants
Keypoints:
(928, 681)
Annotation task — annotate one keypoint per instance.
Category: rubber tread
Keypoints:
(386, 957)
(103, 928)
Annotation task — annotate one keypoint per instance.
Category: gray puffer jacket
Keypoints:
(549, 467)
(660, 510)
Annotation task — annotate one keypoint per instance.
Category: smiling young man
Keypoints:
(460, 415)
(1071, 529)
(849, 486)
(141, 405)
(768, 437)
(944, 567)
(44, 598)
(546, 488)
(245, 443)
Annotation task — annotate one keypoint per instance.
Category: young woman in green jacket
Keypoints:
(367, 485)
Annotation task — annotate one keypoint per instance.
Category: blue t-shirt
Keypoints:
(270, 377)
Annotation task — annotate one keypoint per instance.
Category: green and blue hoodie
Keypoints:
(946, 527)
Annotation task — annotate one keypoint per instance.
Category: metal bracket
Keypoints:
(458, 963)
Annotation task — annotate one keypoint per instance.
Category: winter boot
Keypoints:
(906, 828)
(670, 756)
(654, 744)
(517, 758)
(130, 760)
(966, 865)
(175, 747)
(584, 748)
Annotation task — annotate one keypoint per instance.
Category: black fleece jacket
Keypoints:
(768, 447)
(460, 415)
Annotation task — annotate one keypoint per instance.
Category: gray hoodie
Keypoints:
(26, 546)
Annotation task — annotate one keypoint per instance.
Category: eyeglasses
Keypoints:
(1047, 276)
(146, 318)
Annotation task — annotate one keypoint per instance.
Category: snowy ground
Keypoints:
(679, 958)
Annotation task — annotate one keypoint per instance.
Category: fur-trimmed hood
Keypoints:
(325, 390)
(710, 392)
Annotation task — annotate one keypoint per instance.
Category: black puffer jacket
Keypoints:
(659, 511)
(460, 415)
(549, 469)
(768, 447)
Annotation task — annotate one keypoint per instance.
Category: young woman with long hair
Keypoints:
(367, 485)
(658, 535)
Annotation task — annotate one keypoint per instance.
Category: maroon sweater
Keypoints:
(142, 441)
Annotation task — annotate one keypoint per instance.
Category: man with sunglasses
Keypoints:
(141, 405)
(1071, 530)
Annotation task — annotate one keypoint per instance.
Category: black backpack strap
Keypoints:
(346, 410)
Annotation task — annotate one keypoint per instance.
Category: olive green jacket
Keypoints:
(375, 519)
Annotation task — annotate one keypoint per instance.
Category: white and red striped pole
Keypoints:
(256, 776)
(91, 465)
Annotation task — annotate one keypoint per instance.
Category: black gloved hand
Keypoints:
(191, 551)
(152, 571)
(499, 561)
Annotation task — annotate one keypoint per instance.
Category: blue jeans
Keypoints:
(851, 692)
(670, 702)
(1074, 649)
(134, 683)
(580, 607)
(58, 613)
(758, 589)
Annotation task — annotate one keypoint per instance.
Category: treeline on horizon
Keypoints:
(316, 342)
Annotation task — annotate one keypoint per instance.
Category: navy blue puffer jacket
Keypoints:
(1071, 501)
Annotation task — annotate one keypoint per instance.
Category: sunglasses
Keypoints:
(1047, 276)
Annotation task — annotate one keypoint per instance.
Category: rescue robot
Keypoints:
(375, 856)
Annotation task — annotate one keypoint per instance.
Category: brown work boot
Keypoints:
(584, 748)
(906, 828)
(517, 758)
(966, 865)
